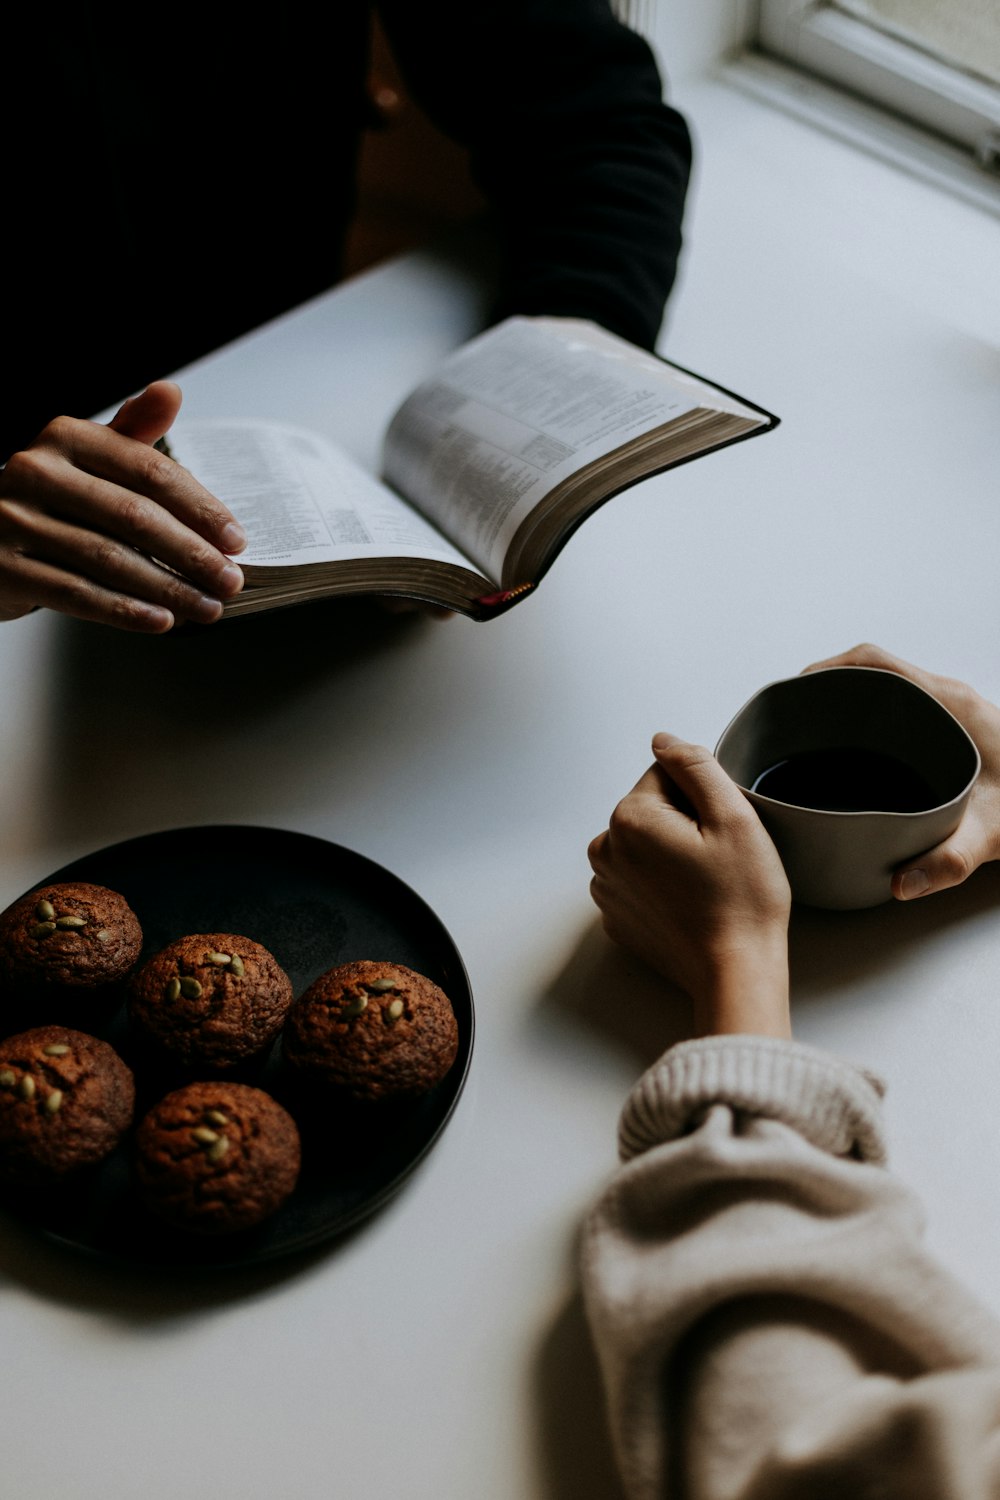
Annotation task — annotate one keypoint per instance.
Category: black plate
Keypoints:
(313, 905)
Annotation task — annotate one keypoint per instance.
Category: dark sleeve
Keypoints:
(583, 163)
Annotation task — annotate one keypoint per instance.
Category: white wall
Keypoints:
(690, 36)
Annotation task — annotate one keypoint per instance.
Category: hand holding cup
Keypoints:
(976, 839)
(854, 771)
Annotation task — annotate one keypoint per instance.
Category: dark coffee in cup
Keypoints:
(847, 779)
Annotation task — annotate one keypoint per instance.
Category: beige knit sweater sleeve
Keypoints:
(767, 1321)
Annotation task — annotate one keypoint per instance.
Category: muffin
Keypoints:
(67, 947)
(214, 1158)
(371, 1032)
(211, 1001)
(66, 1100)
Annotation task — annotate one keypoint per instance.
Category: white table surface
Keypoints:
(438, 1351)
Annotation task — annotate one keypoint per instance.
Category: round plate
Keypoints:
(313, 904)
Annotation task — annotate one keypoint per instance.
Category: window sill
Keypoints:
(863, 125)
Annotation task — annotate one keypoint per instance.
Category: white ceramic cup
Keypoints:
(845, 860)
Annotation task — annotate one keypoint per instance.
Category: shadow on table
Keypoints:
(175, 722)
(149, 1296)
(619, 998)
(634, 1010)
(268, 655)
(829, 950)
(573, 1440)
(636, 1014)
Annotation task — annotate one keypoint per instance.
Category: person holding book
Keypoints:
(767, 1321)
(488, 466)
(179, 185)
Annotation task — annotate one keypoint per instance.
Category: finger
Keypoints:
(948, 864)
(71, 594)
(957, 697)
(867, 655)
(713, 796)
(102, 511)
(661, 798)
(595, 849)
(135, 468)
(104, 560)
(602, 899)
(150, 415)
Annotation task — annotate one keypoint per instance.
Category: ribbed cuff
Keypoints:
(833, 1104)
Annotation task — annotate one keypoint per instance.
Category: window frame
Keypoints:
(850, 52)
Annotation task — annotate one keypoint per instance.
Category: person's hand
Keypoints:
(95, 522)
(977, 837)
(687, 878)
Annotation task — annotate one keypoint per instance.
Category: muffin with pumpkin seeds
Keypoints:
(66, 1100)
(216, 1157)
(371, 1032)
(65, 950)
(209, 1001)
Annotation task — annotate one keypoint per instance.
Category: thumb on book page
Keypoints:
(149, 415)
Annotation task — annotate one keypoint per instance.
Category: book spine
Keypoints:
(488, 605)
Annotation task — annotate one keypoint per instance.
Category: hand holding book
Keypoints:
(488, 467)
(86, 509)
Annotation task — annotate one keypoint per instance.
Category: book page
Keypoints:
(515, 411)
(300, 499)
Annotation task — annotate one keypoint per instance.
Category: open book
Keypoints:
(488, 466)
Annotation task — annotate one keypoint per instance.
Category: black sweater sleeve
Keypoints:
(583, 163)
